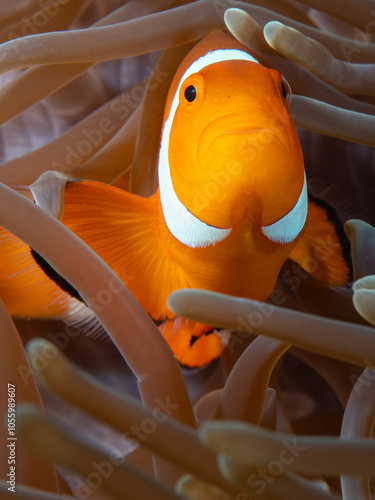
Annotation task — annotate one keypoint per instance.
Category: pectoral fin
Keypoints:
(124, 230)
(319, 251)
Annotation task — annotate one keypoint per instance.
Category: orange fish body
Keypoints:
(230, 209)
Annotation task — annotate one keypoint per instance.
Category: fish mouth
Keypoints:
(242, 124)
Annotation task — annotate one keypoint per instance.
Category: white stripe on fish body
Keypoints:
(288, 227)
(184, 226)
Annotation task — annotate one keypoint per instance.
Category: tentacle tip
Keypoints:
(351, 225)
(236, 18)
(235, 13)
(183, 485)
(273, 26)
(367, 283)
(176, 300)
(210, 434)
(40, 351)
(364, 298)
(275, 30)
(26, 414)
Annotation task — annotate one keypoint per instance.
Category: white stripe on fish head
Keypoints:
(288, 227)
(184, 226)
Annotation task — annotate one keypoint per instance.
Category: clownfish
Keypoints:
(232, 205)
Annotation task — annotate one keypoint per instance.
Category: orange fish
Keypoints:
(231, 207)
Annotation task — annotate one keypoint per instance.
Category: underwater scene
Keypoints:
(187, 249)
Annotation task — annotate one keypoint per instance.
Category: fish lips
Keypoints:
(233, 137)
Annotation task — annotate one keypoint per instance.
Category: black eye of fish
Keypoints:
(284, 90)
(190, 93)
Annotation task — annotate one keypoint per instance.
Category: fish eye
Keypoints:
(286, 91)
(283, 90)
(190, 93)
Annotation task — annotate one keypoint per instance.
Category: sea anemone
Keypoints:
(288, 410)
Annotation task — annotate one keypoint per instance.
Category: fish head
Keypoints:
(231, 146)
